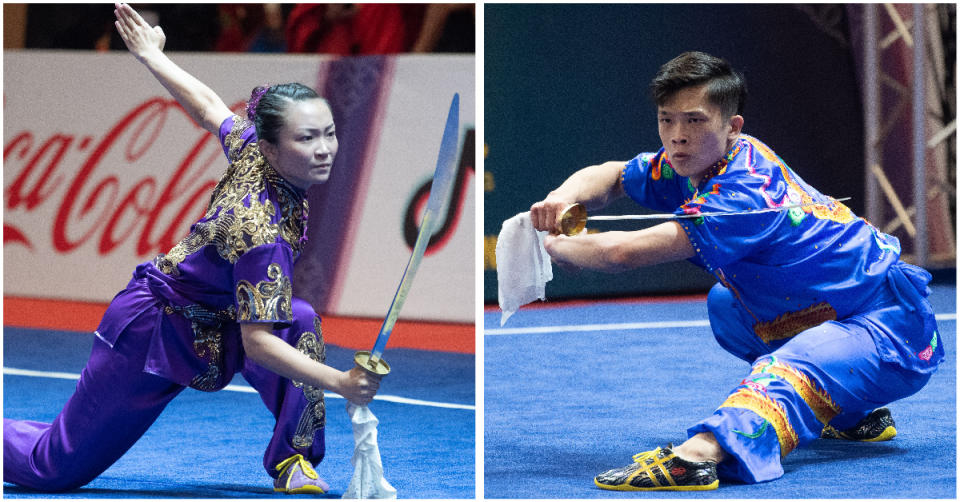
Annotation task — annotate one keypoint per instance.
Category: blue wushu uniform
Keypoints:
(815, 298)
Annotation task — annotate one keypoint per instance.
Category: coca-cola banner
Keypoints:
(102, 170)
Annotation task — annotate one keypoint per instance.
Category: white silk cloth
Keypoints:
(523, 265)
(368, 481)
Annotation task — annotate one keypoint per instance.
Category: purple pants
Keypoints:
(116, 402)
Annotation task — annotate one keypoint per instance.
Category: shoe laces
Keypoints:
(640, 457)
(298, 459)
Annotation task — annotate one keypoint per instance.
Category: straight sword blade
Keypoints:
(673, 216)
(443, 177)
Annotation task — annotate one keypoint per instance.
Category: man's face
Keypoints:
(694, 132)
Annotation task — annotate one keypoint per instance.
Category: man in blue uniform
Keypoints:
(834, 324)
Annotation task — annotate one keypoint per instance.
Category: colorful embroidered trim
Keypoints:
(823, 406)
(927, 353)
(692, 206)
(769, 410)
(789, 324)
(755, 435)
(835, 211)
(661, 168)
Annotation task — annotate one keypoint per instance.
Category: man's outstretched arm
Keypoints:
(619, 251)
(593, 186)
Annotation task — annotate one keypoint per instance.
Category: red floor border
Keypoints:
(347, 332)
(681, 298)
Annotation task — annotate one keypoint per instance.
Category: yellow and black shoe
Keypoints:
(877, 426)
(660, 469)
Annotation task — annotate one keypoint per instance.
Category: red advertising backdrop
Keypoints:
(103, 170)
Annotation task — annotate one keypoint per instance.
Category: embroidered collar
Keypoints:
(720, 166)
(277, 179)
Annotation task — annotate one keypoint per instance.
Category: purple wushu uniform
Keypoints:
(816, 299)
(177, 325)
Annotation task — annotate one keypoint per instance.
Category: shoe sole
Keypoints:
(673, 488)
(887, 434)
(314, 490)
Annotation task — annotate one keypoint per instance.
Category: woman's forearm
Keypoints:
(279, 357)
(200, 102)
(146, 43)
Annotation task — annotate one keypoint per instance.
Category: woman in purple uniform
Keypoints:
(218, 303)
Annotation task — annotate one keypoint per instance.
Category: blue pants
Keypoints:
(833, 373)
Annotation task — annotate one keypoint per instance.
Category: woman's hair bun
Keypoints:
(255, 100)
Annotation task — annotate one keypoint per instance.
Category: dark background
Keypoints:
(566, 87)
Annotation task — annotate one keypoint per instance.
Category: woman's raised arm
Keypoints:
(146, 44)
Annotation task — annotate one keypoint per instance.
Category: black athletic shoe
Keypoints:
(660, 469)
(877, 426)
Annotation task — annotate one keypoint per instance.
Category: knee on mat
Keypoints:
(64, 481)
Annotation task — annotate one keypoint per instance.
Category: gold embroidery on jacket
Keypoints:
(234, 140)
(236, 220)
(268, 300)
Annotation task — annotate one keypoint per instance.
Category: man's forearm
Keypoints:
(619, 251)
(593, 186)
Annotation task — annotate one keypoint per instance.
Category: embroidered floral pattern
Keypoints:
(834, 211)
(692, 206)
(789, 324)
(927, 353)
(661, 169)
(822, 405)
(314, 416)
(769, 410)
(268, 300)
(236, 219)
(207, 329)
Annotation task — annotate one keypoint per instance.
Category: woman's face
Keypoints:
(306, 144)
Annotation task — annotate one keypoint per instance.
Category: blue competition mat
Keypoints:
(210, 445)
(571, 391)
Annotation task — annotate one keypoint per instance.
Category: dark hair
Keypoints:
(268, 102)
(726, 87)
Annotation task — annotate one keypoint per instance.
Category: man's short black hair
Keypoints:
(726, 87)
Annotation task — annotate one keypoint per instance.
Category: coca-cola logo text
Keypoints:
(86, 179)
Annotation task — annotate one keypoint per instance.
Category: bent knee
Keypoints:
(305, 318)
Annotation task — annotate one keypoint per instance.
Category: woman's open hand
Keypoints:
(139, 37)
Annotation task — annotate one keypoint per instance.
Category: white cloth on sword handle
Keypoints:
(368, 481)
(523, 265)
